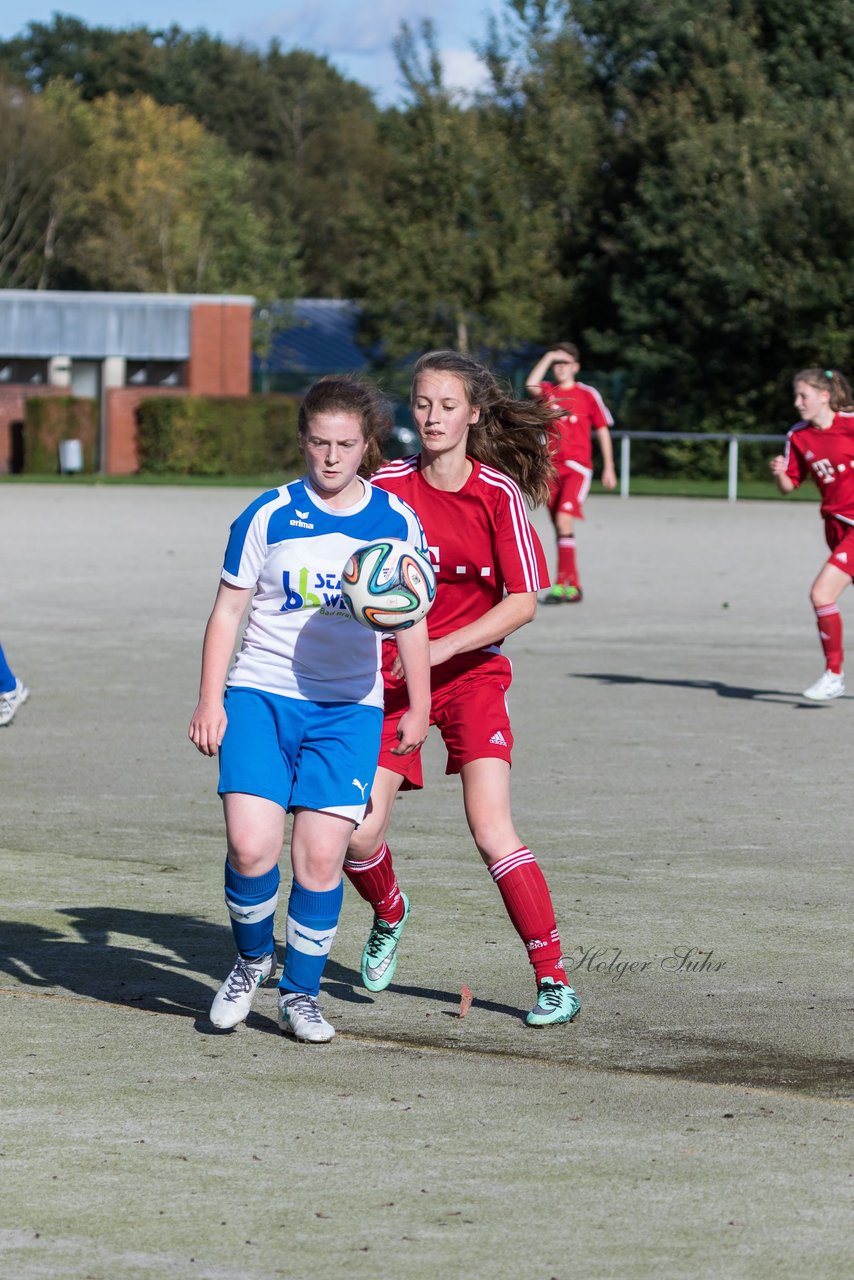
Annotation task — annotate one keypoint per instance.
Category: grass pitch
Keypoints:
(690, 811)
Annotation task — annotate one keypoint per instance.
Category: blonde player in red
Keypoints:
(822, 445)
(582, 411)
(481, 451)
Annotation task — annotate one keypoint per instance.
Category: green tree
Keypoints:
(309, 133)
(161, 204)
(34, 156)
(461, 257)
(556, 131)
(720, 238)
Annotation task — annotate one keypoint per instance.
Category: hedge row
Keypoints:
(206, 436)
(50, 419)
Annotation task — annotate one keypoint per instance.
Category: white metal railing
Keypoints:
(626, 438)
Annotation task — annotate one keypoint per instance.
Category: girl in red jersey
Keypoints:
(822, 445)
(582, 411)
(481, 450)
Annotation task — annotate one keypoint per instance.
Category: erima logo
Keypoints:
(498, 739)
(303, 515)
(361, 786)
(302, 524)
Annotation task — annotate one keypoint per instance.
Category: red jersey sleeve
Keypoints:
(599, 413)
(797, 467)
(520, 560)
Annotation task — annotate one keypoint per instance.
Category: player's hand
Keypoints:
(207, 727)
(396, 670)
(778, 465)
(609, 478)
(412, 731)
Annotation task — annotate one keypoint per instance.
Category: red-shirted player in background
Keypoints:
(489, 564)
(822, 445)
(582, 411)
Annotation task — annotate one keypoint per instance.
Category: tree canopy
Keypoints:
(670, 186)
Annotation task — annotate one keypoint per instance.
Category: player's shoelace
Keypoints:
(549, 997)
(306, 1006)
(241, 980)
(380, 934)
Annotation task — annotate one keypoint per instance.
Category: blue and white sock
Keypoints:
(312, 924)
(7, 678)
(251, 902)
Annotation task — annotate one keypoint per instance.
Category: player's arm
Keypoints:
(539, 371)
(207, 725)
(779, 470)
(606, 448)
(501, 620)
(413, 648)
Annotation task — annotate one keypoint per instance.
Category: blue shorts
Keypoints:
(300, 755)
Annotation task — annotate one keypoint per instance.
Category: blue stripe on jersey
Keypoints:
(303, 519)
(239, 530)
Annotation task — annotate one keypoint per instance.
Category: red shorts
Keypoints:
(840, 539)
(468, 707)
(569, 488)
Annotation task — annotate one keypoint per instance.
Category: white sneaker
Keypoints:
(300, 1017)
(232, 1002)
(830, 685)
(11, 700)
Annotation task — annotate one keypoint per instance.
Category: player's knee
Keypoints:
(493, 840)
(365, 841)
(249, 855)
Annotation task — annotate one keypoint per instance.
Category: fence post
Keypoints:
(625, 464)
(732, 478)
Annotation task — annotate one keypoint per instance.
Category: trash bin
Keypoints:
(70, 456)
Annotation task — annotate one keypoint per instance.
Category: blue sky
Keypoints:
(355, 35)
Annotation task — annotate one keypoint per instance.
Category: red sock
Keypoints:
(376, 882)
(567, 570)
(526, 896)
(830, 633)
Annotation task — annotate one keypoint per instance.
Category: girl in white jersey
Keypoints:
(821, 445)
(481, 451)
(299, 727)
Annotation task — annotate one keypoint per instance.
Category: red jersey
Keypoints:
(480, 538)
(828, 455)
(584, 411)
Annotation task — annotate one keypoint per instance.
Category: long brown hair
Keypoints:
(510, 434)
(828, 380)
(343, 394)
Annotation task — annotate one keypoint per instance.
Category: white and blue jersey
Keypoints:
(300, 641)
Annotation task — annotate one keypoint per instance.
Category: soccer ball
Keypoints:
(388, 585)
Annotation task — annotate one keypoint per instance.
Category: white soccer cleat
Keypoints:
(11, 700)
(232, 1002)
(828, 686)
(300, 1017)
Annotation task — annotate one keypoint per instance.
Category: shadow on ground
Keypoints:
(782, 697)
(106, 959)
(156, 960)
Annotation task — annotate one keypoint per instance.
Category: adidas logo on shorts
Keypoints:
(498, 739)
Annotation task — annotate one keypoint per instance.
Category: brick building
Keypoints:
(118, 349)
